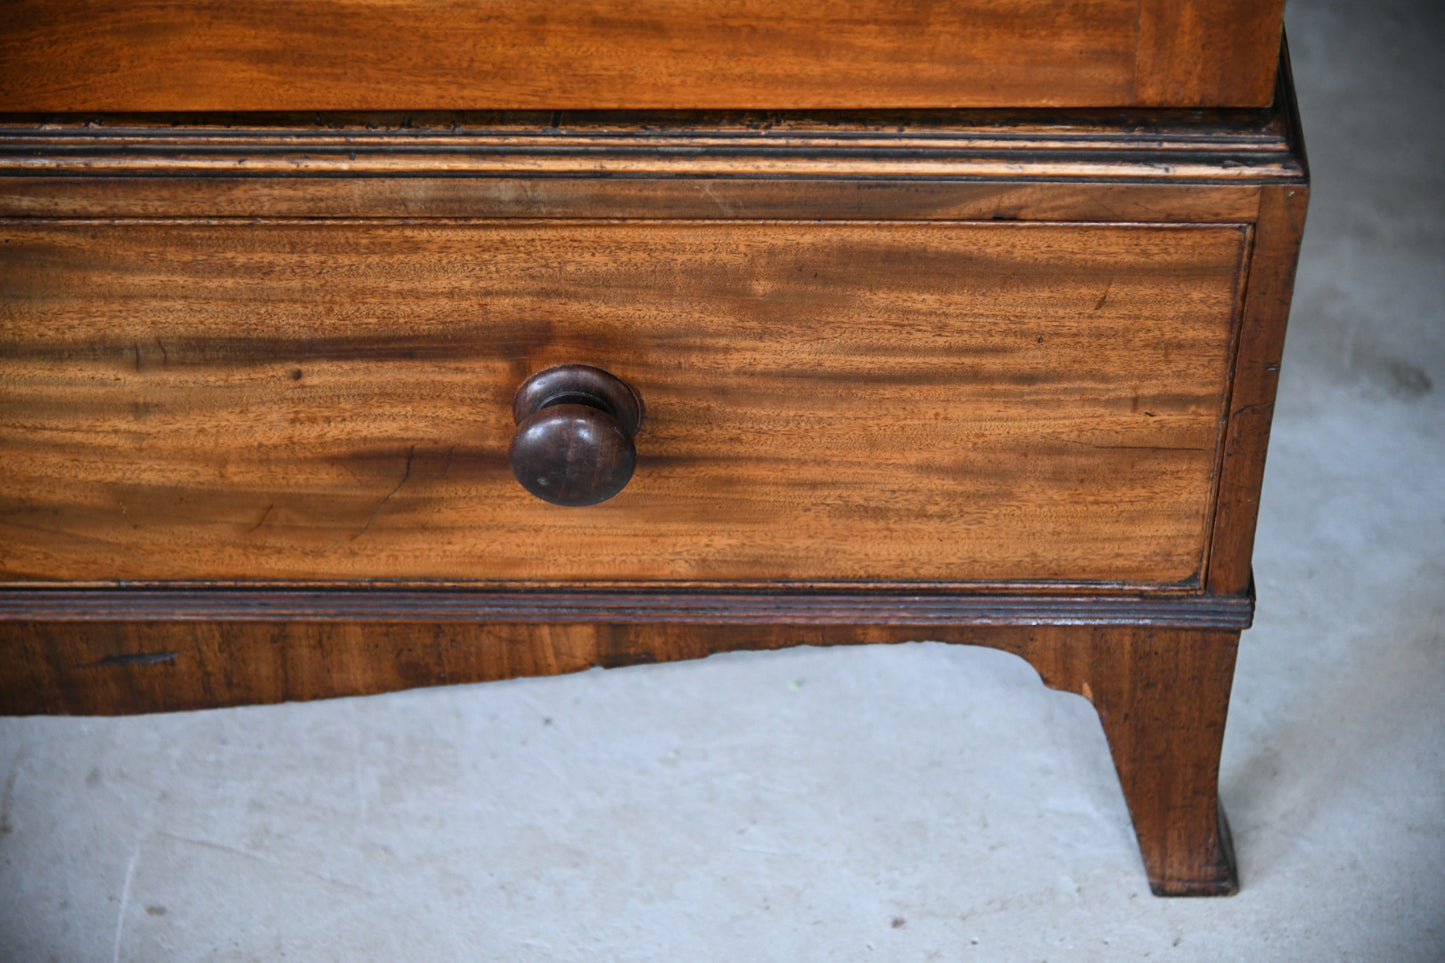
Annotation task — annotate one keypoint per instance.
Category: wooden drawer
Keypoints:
(825, 402)
(304, 55)
(978, 378)
(993, 377)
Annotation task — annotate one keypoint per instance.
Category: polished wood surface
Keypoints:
(1206, 54)
(338, 55)
(333, 400)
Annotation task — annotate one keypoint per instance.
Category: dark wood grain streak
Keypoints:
(1161, 693)
(644, 603)
(340, 55)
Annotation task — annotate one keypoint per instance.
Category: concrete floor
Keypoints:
(917, 802)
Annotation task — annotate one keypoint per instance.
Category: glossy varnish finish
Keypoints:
(333, 400)
(196, 55)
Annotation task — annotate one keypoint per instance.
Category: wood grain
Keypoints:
(339, 55)
(332, 400)
(1186, 58)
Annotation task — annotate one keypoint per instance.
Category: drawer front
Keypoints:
(548, 55)
(331, 400)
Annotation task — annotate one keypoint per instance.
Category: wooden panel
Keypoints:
(325, 400)
(197, 55)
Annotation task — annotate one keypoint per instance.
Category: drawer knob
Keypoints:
(575, 426)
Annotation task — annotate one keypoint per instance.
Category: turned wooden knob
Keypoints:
(575, 425)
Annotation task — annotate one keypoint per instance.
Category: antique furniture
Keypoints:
(728, 326)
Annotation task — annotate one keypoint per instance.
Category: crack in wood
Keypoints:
(411, 452)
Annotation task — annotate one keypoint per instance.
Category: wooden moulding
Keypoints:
(1131, 166)
(113, 55)
(1217, 146)
(638, 605)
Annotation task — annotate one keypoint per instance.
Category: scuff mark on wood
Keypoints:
(1251, 409)
(1149, 448)
(1097, 447)
(1105, 296)
(137, 658)
(264, 515)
